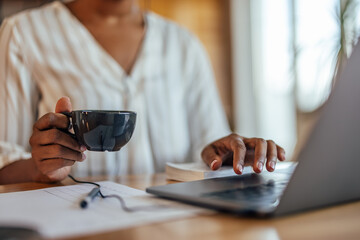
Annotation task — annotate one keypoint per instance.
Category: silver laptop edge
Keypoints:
(328, 170)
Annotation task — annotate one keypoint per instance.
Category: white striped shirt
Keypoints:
(46, 53)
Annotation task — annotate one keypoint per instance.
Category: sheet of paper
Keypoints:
(55, 212)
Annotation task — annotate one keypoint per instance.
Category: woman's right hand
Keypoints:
(53, 150)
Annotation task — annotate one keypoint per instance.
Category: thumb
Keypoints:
(63, 105)
(210, 157)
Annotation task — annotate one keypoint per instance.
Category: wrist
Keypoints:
(34, 174)
(19, 171)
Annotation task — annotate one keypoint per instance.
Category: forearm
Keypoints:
(18, 171)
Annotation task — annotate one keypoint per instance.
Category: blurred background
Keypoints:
(275, 61)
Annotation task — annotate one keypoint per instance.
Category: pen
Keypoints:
(85, 202)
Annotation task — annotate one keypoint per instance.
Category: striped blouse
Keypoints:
(46, 53)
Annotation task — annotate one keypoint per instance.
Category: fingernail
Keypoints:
(213, 163)
(240, 168)
(82, 148)
(272, 165)
(83, 156)
(260, 166)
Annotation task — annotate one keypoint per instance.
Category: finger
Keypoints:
(50, 165)
(211, 157)
(55, 136)
(271, 155)
(63, 105)
(239, 149)
(280, 153)
(260, 154)
(55, 151)
(52, 120)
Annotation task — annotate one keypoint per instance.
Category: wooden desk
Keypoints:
(340, 222)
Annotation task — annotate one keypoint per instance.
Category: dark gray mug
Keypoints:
(100, 130)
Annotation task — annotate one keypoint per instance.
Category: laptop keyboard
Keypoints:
(267, 192)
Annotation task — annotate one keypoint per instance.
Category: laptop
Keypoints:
(327, 172)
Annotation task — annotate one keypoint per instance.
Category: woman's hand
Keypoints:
(240, 152)
(53, 150)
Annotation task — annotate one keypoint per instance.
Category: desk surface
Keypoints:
(340, 222)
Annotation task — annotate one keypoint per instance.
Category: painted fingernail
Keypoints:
(83, 156)
(260, 166)
(82, 148)
(272, 165)
(213, 164)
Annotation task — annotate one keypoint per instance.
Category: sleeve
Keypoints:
(206, 116)
(18, 97)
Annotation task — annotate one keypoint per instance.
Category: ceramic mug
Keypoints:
(101, 130)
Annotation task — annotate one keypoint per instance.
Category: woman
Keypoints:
(111, 55)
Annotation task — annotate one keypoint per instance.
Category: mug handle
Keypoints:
(69, 115)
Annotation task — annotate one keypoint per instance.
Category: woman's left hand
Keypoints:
(240, 152)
